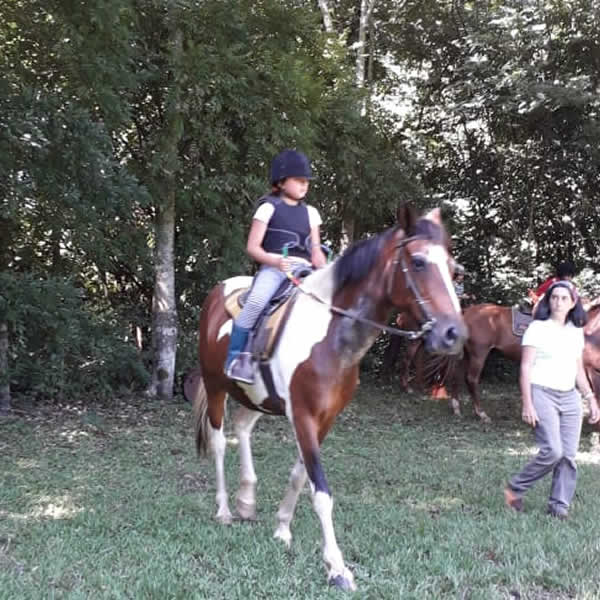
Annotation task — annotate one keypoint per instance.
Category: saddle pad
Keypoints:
(520, 321)
(232, 303)
(266, 335)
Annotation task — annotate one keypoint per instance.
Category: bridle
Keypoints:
(428, 320)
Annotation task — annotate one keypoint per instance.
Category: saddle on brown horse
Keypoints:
(520, 320)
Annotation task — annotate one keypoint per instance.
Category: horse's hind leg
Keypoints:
(218, 444)
(244, 421)
(287, 507)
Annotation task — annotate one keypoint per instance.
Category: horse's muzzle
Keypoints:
(447, 337)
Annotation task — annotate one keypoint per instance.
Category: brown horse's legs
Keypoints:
(475, 362)
(594, 379)
(287, 507)
(244, 421)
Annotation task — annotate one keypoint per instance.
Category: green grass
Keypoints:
(111, 502)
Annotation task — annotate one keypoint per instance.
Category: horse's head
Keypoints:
(421, 282)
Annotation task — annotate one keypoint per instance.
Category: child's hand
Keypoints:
(285, 264)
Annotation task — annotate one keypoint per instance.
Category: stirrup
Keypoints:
(242, 368)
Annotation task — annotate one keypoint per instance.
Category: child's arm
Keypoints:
(255, 250)
(317, 256)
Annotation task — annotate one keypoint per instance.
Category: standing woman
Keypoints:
(551, 366)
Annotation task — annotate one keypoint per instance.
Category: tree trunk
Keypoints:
(348, 224)
(164, 307)
(4, 379)
(327, 20)
(361, 52)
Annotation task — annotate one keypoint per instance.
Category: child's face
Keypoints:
(295, 188)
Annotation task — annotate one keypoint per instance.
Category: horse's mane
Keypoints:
(358, 260)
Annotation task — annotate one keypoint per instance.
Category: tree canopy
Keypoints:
(112, 111)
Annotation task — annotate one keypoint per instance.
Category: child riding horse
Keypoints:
(338, 312)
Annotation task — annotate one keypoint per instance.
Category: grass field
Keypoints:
(111, 502)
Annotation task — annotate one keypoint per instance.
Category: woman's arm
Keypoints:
(583, 385)
(528, 414)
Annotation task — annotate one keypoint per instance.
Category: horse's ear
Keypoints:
(435, 216)
(406, 217)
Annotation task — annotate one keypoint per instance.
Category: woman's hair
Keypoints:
(576, 315)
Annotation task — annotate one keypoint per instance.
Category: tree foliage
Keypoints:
(489, 109)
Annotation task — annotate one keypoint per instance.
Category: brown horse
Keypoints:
(490, 326)
(591, 350)
(313, 372)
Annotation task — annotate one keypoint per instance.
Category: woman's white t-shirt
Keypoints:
(557, 349)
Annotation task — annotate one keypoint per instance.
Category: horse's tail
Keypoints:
(195, 392)
(441, 370)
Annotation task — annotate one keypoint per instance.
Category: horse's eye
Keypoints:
(419, 263)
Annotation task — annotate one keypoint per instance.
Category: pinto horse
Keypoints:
(490, 326)
(338, 312)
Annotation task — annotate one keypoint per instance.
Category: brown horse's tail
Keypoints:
(195, 392)
(441, 370)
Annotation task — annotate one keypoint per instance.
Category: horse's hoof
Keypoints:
(247, 512)
(342, 583)
(224, 518)
(455, 407)
(283, 534)
(484, 418)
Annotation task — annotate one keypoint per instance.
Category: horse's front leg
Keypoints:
(473, 373)
(308, 437)
(285, 514)
(244, 421)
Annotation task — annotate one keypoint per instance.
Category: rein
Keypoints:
(427, 324)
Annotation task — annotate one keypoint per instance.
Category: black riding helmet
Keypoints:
(290, 163)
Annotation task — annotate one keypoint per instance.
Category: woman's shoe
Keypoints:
(512, 500)
(562, 515)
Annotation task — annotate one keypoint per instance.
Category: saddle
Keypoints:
(265, 334)
(520, 320)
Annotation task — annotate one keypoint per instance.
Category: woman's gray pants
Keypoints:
(557, 435)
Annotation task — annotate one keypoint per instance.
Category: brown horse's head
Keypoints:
(421, 280)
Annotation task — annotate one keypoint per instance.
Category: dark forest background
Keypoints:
(136, 135)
